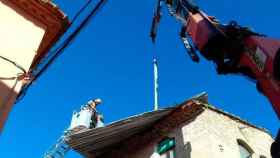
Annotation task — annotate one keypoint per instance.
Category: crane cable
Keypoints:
(58, 51)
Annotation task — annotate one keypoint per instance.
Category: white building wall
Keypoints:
(212, 135)
(216, 135)
(20, 39)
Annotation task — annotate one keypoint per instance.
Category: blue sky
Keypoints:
(112, 59)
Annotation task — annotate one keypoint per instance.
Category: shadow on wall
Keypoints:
(183, 149)
(7, 98)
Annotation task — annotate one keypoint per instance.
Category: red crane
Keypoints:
(234, 49)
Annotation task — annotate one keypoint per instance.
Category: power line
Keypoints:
(75, 18)
(71, 38)
(81, 11)
(60, 49)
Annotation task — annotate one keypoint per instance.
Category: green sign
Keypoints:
(165, 145)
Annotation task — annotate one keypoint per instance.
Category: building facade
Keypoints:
(192, 130)
(28, 28)
(210, 135)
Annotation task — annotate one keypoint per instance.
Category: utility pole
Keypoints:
(156, 86)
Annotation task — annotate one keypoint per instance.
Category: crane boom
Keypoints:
(234, 49)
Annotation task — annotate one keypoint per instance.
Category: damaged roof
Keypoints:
(100, 140)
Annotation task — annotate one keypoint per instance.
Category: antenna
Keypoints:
(156, 96)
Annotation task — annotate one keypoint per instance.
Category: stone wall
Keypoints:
(211, 134)
(216, 135)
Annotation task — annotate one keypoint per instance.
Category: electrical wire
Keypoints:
(81, 11)
(71, 38)
(14, 63)
(60, 49)
(75, 18)
(12, 78)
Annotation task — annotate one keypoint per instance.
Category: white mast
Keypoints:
(156, 96)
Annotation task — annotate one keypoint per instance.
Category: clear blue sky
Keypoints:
(112, 59)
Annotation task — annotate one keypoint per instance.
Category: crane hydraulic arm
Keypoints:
(236, 49)
(231, 47)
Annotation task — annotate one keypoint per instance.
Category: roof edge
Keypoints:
(49, 15)
(236, 118)
(203, 99)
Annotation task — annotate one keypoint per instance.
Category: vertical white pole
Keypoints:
(155, 84)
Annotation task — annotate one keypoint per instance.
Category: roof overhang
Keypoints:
(144, 128)
(100, 140)
(95, 142)
(48, 14)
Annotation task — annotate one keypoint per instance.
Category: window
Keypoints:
(166, 148)
(262, 156)
(244, 149)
